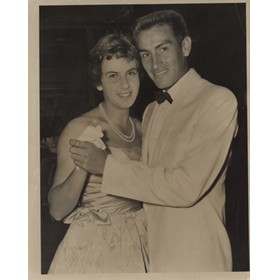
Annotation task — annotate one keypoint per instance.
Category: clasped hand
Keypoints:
(88, 157)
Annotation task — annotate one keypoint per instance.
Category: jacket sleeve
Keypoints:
(183, 184)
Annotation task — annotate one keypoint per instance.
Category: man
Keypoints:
(185, 150)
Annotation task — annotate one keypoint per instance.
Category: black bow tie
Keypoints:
(161, 96)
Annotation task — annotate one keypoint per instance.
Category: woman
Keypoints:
(107, 233)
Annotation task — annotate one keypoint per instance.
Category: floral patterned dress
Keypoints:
(107, 233)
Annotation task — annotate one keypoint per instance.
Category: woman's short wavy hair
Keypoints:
(112, 45)
(158, 18)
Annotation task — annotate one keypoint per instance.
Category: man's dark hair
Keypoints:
(112, 45)
(159, 18)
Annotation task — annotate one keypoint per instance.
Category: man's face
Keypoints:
(162, 56)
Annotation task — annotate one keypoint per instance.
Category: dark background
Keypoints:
(67, 33)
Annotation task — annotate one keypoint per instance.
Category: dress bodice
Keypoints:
(101, 204)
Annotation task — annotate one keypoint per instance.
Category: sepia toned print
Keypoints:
(217, 58)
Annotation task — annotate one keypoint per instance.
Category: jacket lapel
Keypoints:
(185, 94)
(147, 125)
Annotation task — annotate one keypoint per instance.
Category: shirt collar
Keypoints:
(174, 89)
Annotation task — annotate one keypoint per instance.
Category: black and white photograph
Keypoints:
(142, 114)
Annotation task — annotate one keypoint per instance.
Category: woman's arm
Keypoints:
(68, 180)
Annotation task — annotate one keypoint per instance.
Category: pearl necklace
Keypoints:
(126, 138)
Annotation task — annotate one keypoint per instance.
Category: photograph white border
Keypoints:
(34, 163)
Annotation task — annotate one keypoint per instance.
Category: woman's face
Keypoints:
(119, 82)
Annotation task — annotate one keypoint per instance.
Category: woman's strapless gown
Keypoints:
(107, 233)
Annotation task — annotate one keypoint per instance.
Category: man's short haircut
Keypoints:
(112, 45)
(159, 18)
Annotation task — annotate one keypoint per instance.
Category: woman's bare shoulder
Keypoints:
(75, 127)
(93, 117)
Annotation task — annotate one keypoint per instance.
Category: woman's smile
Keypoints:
(125, 94)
